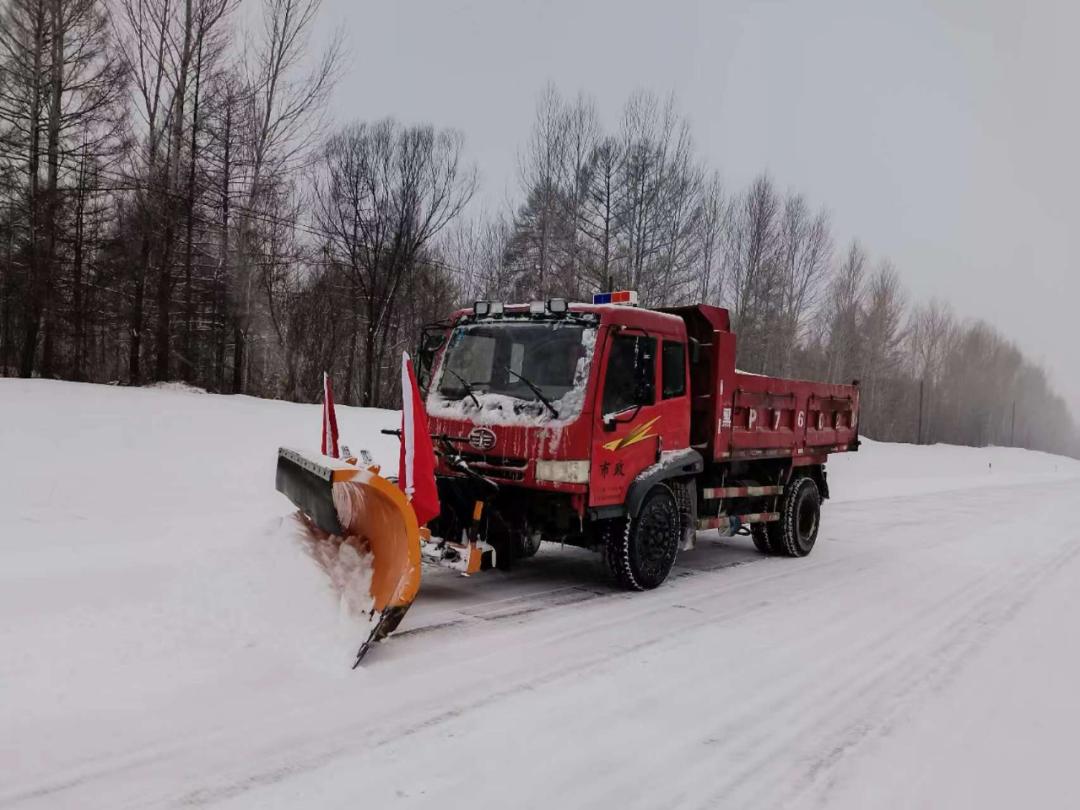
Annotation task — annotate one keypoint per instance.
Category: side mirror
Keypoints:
(695, 352)
(620, 418)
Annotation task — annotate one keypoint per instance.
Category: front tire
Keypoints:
(641, 551)
(800, 518)
(512, 543)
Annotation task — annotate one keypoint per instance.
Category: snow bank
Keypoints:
(97, 451)
(177, 386)
(883, 470)
(146, 557)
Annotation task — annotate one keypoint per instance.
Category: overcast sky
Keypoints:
(943, 135)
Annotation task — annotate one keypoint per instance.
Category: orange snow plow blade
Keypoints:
(352, 504)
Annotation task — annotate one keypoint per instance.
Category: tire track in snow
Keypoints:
(871, 701)
(587, 644)
(741, 729)
(807, 592)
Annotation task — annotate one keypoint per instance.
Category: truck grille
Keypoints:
(508, 469)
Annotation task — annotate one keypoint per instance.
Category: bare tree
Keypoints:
(581, 130)
(385, 191)
(604, 210)
(542, 230)
(647, 131)
(285, 108)
(711, 224)
(931, 332)
(201, 50)
(683, 181)
(145, 38)
(59, 87)
(475, 253)
(599, 222)
(842, 313)
(880, 337)
(803, 262)
(751, 261)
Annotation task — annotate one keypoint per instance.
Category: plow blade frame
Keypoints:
(309, 485)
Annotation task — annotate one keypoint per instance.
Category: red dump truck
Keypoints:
(625, 430)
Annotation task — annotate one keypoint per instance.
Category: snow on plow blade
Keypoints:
(357, 506)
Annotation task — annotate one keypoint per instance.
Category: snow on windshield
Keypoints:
(501, 373)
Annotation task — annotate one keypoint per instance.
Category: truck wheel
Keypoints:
(511, 539)
(759, 533)
(529, 544)
(640, 556)
(800, 517)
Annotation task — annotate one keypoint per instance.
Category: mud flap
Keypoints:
(339, 499)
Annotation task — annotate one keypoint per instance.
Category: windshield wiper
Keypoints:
(465, 385)
(535, 390)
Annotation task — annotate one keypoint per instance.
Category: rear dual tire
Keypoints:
(759, 533)
(796, 532)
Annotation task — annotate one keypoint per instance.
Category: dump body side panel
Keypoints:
(736, 415)
(771, 416)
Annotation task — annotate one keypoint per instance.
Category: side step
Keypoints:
(717, 493)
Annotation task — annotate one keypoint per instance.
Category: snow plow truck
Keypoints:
(606, 425)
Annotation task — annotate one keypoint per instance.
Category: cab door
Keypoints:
(674, 394)
(627, 431)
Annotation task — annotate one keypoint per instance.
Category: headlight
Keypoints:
(568, 472)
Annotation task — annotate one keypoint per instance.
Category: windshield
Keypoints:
(486, 364)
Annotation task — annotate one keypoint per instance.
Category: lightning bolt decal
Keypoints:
(638, 434)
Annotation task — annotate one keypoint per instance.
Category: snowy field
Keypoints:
(166, 642)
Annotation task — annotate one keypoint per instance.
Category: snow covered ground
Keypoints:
(166, 642)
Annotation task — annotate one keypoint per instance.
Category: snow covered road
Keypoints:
(183, 652)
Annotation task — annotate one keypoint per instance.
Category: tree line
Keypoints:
(174, 205)
(637, 207)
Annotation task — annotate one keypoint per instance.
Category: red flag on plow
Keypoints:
(416, 468)
(329, 420)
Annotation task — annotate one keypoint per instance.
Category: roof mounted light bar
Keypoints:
(483, 309)
(627, 297)
(497, 309)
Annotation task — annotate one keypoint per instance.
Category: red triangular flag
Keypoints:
(329, 420)
(416, 470)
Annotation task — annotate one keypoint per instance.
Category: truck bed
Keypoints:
(738, 415)
(761, 416)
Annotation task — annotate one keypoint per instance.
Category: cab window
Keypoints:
(673, 369)
(631, 373)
